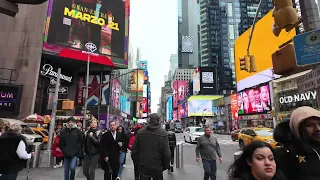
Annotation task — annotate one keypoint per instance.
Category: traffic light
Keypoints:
(285, 16)
(132, 78)
(244, 64)
(253, 67)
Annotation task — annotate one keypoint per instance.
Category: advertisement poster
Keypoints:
(200, 108)
(254, 100)
(128, 107)
(174, 115)
(179, 89)
(143, 64)
(144, 105)
(196, 82)
(75, 26)
(137, 84)
(145, 90)
(169, 107)
(123, 103)
(183, 110)
(234, 109)
(115, 93)
(10, 98)
(94, 90)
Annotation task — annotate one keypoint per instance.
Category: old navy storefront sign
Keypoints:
(311, 95)
(47, 70)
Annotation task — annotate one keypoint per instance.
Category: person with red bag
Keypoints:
(135, 164)
(56, 151)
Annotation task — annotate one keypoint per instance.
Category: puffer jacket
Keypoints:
(92, 143)
(297, 159)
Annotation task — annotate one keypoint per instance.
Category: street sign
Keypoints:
(62, 90)
(307, 48)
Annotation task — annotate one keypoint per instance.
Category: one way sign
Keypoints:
(62, 90)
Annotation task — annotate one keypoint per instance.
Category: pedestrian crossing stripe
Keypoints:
(224, 142)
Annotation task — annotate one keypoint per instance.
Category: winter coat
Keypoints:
(70, 142)
(92, 143)
(125, 142)
(56, 151)
(172, 139)
(297, 159)
(110, 149)
(151, 150)
(133, 137)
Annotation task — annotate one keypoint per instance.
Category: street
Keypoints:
(191, 169)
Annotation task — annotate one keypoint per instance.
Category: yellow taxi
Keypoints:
(42, 132)
(247, 135)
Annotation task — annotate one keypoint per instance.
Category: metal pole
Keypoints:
(253, 26)
(54, 110)
(86, 93)
(137, 83)
(273, 101)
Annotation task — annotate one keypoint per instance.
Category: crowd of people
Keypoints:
(152, 151)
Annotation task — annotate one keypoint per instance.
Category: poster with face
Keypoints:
(115, 93)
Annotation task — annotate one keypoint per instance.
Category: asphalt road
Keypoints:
(191, 169)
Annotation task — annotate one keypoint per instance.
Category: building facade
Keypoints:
(183, 74)
(173, 64)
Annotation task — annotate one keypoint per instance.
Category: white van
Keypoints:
(27, 132)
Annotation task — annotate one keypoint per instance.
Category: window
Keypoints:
(230, 10)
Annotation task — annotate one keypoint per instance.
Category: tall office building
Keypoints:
(188, 34)
(173, 64)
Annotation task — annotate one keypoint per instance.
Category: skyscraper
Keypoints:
(173, 64)
(188, 34)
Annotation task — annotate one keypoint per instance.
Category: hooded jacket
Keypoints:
(151, 150)
(297, 159)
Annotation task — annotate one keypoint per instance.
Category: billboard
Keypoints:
(208, 80)
(200, 108)
(196, 81)
(76, 26)
(187, 44)
(144, 105)
(115, 93)
(174, 115)
(263, 45)
(169, 107)
(145, 90)
(123, 104)
(137, 85)
(254, 100)
(179, 89)
(10, 99)
(143, 64)
(128, 107)
(183, 110)
(234, 107)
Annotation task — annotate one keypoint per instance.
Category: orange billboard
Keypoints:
(263, 45)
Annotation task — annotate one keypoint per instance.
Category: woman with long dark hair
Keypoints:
(124, 149)
(255, 163)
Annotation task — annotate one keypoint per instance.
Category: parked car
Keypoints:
(234, 135)
(192, 134)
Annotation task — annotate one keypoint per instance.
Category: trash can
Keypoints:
(36, 157)
(179, 155)
(237, 155)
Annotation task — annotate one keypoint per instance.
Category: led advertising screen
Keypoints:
(174, 115)
(200, 108)
(10, 98)
(115, 93)
(169, 107)
(75, 27)
(179, 89)
(254, 100)
(145, 90)
(183, 110)
(123, 103)
(144, 105)
(143, 64)
(137, 84)
(196, 81)
(208, 81)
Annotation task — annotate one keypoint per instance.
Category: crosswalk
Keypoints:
(220, 141)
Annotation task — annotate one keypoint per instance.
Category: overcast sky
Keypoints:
(154, 29)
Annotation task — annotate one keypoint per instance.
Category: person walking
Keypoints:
(4, 126)
(56, 151)
(208, 148)
(151, 150)
(111, 143)
(123, 150)
(92, 150)
(13, 153)
(135, 163)
(172, 144)
(70, 145)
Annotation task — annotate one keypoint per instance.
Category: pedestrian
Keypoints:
(111, 143)
(208, 148)
(123, 150)
(299, 157)
(4, 126)
(172, 144)
(151, 150)
(56, 151)
(135, 164)
(256, 162)
(70, 145)
(92, 150)
(81, 153)
(13, 153)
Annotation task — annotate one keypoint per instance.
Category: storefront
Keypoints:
(291, 100)
(258, 120)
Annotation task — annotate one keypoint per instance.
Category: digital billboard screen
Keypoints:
(169, 108)
(196, 82)
(254, 100)
(179, 89)
(75, 26)
(200, 108)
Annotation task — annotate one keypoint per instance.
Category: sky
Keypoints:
(154, 29)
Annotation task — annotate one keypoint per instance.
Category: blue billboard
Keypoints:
(123, 103)
(143, 64)
(169, 107)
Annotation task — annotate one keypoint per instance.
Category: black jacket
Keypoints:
(151, 150)
(111, 149)
(172, 139)
(70, 142)
(9, 160)
(125, 141)
(297, 160)
(92, 143)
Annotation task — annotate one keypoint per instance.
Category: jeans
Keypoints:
(158, 177)
(70, 168)
(122, 159)
(11, 176)
(210, 169)
(172, 154)
(90, 164)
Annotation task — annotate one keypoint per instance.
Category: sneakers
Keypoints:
(124, 165)
(118, 178)
(58, 165)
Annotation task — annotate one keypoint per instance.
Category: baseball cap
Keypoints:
(71, 119)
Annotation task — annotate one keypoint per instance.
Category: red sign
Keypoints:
(80, 90)
(144, 105)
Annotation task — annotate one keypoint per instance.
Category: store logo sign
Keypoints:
(47, 70)
(91, 47)
(298, 97)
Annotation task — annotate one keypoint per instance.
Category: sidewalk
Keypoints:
(188, 172)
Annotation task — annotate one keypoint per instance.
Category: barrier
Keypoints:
(179, 156)
(36, 157)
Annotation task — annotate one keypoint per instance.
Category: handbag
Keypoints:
(58, 150)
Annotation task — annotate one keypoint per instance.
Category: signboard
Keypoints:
(307, 48)
(47, 70)
(10, 98)
(298, 97)
(309, 81)
(143, 65)
(62, 90)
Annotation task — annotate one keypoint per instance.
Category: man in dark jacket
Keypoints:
(299, 157)
(172, 144)
(151, 150)
(92, 150)
(70, 144)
